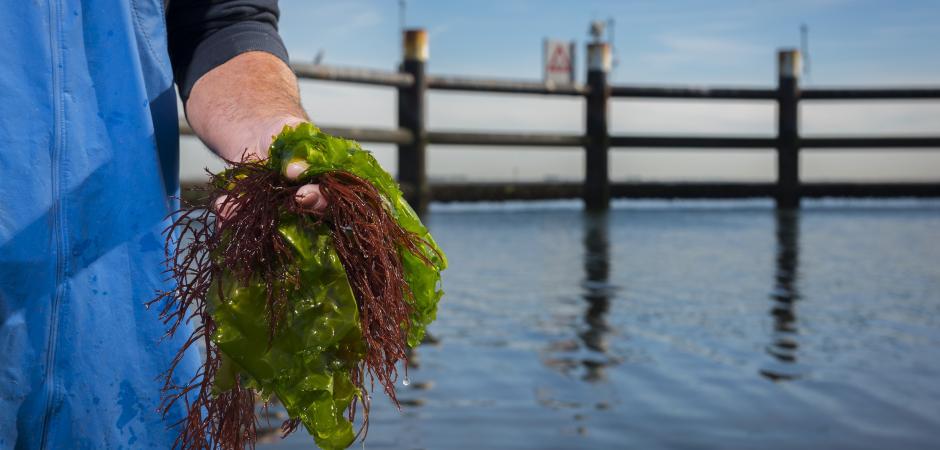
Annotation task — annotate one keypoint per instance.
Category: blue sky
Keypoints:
(689, 41)
(852, 42)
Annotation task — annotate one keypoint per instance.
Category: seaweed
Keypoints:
(310, 306)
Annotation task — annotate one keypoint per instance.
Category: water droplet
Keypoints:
(146, 305)
(406, 381)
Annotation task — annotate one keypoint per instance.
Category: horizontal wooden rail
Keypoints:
(374, 135)
(506, 139)
(693, 142)
(403, 136)
(496, 85)
(351, 75)
(495, 191)
(680, 92)
(194, 193)
(693, 92)
(913, 143)
(446, 83)
(870, 189)
(870, 94)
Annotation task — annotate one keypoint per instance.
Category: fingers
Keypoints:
(295, 169)
(223, 208)
(309, 197)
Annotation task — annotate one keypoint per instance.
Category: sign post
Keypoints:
(558, 62)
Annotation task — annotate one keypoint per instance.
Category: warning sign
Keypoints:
(558, 62)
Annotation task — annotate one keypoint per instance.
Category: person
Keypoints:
(88, 176)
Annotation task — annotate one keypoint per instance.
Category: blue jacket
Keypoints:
(88, 165)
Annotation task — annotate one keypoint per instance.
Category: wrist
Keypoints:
(237, 107)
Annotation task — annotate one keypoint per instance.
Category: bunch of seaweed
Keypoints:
(261, 267)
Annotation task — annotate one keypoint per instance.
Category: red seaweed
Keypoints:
(247, 244)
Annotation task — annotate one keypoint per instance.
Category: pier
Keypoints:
(412, 137)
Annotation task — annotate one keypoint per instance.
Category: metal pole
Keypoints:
(412, 161)
(596, 181)
(788, 151)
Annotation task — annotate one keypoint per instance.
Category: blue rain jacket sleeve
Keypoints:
(88, 167)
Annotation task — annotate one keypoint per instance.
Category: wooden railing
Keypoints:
(412, 136)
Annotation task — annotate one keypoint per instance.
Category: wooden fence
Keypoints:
(412, 136)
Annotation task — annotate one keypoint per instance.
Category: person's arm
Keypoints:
(231, 68)
(238, 106)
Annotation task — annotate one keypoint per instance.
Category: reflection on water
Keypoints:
(676, 327)
(597, 292)
(410, 386)
(785, 295)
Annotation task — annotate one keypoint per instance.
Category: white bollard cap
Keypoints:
(599, 57)
(789, 63)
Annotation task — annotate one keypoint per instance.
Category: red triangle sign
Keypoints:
(559, 60)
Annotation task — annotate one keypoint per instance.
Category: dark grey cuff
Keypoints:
(226, 44)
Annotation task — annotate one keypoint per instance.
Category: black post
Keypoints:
(596, 181)
(788, 134)
(412, 160)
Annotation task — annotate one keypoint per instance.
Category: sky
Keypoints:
(656, 42)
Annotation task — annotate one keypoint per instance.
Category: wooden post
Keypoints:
(596, 181)
(788, 134)
(412, 159)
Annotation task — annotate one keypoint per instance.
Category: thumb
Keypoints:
(295, 169)
(309, 196)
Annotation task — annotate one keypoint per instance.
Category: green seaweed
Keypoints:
(308, 361)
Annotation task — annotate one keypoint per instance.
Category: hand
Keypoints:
(308, 196)
(238, 107)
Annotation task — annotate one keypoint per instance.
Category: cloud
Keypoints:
(708, 45)
(701, 50)
(439, 29)
(335, 19)
(338, 28)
